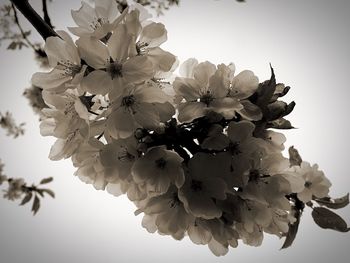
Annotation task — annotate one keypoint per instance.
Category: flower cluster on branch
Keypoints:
(199, 156)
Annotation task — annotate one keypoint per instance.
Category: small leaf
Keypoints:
(46, 180)
(326, 219)
(266, 91)
(281, 124)
(12, 45)
(49, 192)
(36, 205)
(335, 203)
(27, 198)
(292, 232)
(294, 156)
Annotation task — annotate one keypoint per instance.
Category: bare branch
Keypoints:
(39, 24)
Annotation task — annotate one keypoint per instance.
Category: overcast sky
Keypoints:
(307, 43)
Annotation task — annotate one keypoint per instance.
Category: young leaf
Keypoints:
(266, 91)
(325, 218)
(49, 192)
(292, 232)
(36, 205)
(27, 198)
(294, 156)
(281, 123)
(335, 203)
(46, 180)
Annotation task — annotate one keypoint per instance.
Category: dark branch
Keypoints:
(39, 24)
(46, 14)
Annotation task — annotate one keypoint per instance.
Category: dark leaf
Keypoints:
(266, 91)
(36, 205)
(280, 124)
(280, 91)
(12, 45)
(334, 203)
(292, 232)
(40, 192)
(46, 180)
(294, 156)
(49, 192)
(27, 198)
(327, 219)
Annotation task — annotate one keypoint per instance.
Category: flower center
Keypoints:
(115, 69)
(161, 163)
(307, 184)
(196, 186)
(98, 22)
(206, 98)
(233, 148)
(70, 69)
(174, 201)
(125, 156)
(128, 101)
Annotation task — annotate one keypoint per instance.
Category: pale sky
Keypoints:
(308, 44)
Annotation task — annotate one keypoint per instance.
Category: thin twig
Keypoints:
(39, 24)
(21, 29)
(46, 14)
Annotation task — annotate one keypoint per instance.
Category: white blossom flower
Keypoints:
(158, 169)
(135, 108)
(207, 91)
(15, 190)
(90, 169)
(167, 214)
(65, 60)
(96, 21)
(316, 183)
(204, 182)
(114, 69)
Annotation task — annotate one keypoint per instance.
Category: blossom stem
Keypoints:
(32, 16)
(21, 29)
(46, 14)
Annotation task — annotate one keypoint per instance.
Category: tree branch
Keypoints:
(46, 14)
(24, 36)
(39, 24)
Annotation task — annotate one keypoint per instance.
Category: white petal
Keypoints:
(119, 43)
(50, 80)
(137, 69)
(189, 111)
(162, 60)
(250, 111)
(240, 131)
(84, 16)
(120, 124)
(203, 71)
(107, 9)
(97, 82)
(93, 51)
(153, 34)
(58, 50)
(187, 68)
(227, 106)
(244, 84)
(147, 116)
(151, 94)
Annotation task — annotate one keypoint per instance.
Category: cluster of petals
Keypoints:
(106, 106)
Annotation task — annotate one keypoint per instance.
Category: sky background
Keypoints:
(307, 43)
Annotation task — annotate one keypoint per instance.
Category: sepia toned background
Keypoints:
(307, 43)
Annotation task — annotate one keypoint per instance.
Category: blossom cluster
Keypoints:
(199, 156)
(8, 123)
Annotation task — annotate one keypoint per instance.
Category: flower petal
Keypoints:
(93, 51)
(189, 111)
(97, 82)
